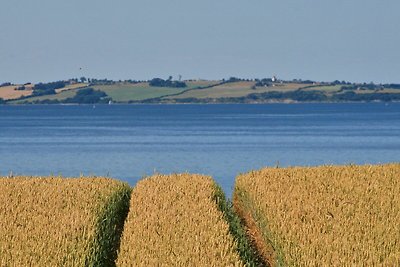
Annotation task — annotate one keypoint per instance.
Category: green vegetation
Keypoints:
(38, 99)
(47, 88)
(158, 82)
(324, 88)
(233, 90)
(110, 225)
(246, 250)
(75, 96)
(125, 92)
(295, 96)
(88, 96)
(199, 84)
(134, 92)
(223, 90)
(368, 97)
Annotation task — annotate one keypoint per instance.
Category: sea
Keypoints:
(130, 142)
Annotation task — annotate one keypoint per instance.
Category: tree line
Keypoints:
(158, 82)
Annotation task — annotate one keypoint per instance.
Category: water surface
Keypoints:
(132, 141)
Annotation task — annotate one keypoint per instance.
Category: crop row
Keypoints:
(315, 216)
(61, 222)
(323, 216)
(174, 220)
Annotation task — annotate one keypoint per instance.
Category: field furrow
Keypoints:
(323, 216)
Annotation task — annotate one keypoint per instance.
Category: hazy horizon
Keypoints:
(323, 40)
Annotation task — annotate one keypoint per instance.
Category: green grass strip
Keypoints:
(247, 252)
(271, 244)
(109, 228)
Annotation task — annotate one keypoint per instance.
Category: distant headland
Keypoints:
(233, 90)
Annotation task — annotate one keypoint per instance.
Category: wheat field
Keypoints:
(323, 216)
(59, 221)
(174, 221)
(10, 92)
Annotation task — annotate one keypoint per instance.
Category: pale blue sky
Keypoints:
(325, 40)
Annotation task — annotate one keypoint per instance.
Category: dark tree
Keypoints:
(88, 96)
(158, 82)
(5, 84)
(47, 88)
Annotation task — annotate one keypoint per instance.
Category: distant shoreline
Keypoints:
(232, 91)
(200, 104)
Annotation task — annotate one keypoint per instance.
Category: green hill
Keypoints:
(222, 91)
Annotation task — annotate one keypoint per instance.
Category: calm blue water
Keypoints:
(132, 141)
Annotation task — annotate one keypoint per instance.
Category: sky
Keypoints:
(321, 40)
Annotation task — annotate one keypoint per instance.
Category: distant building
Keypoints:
(274, 79)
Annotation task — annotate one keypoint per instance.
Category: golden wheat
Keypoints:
(54, 221)
(10, 92)
(323, 216)
(174, 221)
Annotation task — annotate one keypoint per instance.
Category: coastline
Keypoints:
(202, 103)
